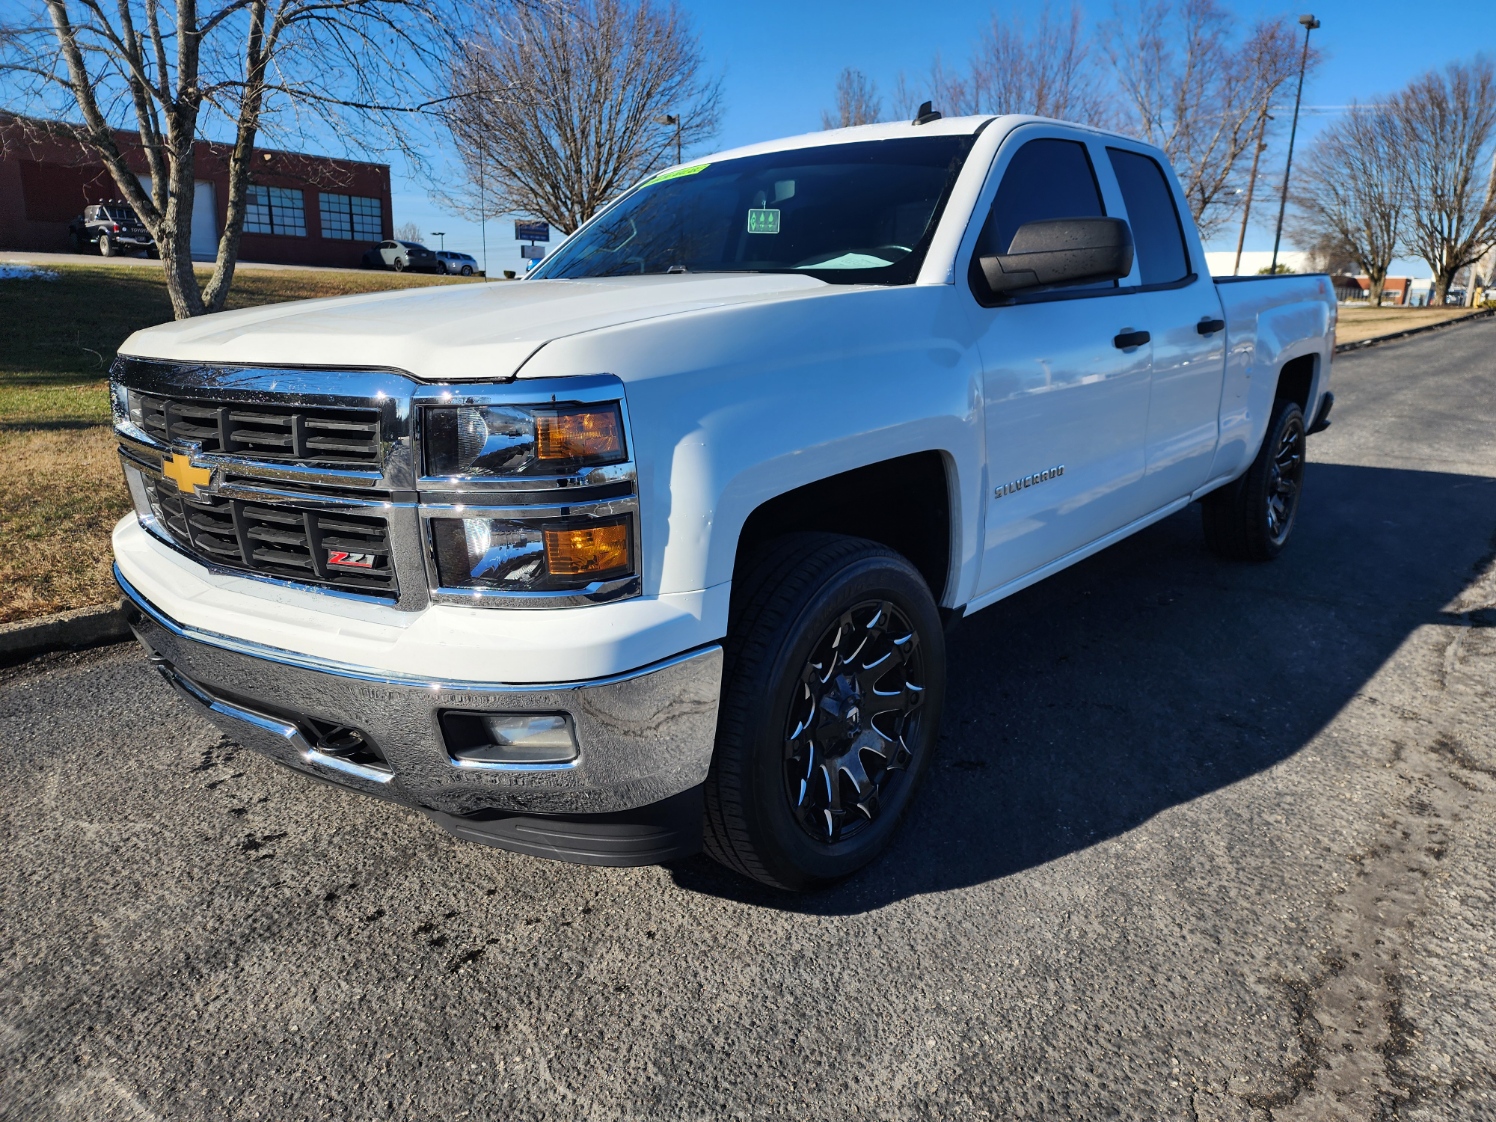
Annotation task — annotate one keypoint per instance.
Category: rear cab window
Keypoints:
(1157, 233)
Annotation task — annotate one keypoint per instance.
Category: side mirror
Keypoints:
(1061, 251)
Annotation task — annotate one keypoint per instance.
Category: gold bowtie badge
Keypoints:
(188, 478)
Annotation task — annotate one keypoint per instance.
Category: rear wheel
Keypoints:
(1251, 518)
(833, 685)
(467, 270)
(399, 264)
(107, 248)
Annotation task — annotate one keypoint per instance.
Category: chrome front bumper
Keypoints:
(643, 737)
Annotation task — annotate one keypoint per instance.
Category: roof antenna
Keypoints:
(925, 115)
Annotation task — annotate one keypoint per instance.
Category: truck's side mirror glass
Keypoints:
(1060, 251)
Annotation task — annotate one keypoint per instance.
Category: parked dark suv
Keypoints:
(113, 228)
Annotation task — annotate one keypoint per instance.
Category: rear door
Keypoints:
(1178, 305)
(1066, 408)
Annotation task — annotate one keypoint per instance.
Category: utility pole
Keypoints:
(483, 215)
(672, 119)
(1246, 211)
(1310, 23)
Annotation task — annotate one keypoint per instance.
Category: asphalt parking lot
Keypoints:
(1204, 842)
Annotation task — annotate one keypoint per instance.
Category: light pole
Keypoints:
(672, 119)
(1246, 210)
(440, 234)
(1310, 23)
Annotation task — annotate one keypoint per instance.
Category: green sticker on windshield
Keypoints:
(763, 221)
(675, 173)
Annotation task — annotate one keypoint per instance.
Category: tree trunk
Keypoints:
(1443, 281)
(1374, 293)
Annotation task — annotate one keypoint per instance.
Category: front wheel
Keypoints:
(1250, 519)
(833, 684)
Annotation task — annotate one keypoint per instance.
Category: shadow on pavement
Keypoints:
(1154, 673)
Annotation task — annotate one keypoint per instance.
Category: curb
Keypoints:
(67, 631)
(1341, 348)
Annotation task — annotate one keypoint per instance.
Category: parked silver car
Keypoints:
(462, 264)
(400, 256)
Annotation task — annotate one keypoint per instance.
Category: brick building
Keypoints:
(303, 210)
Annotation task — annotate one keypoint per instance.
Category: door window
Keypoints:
(1045, 179)
(1157, 235)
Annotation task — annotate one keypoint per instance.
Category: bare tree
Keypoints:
(1351, 194)
(1448, 126)
(1051, 72)
(408, 232)
(857, 101)
(1189, 87)
(171, 69)
(555, 111)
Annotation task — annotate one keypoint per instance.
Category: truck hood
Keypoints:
(447, 333)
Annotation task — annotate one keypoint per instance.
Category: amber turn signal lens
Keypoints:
(588, 550)
(588, 435)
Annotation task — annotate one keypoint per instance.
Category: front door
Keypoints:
(1066, 408)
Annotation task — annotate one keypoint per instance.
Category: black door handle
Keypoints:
(1129, 339)
(1210, 326)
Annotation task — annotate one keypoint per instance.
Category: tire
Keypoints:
(106, 247)
(803, 594)
(399, 265)
(1251, 518)
(467, 270)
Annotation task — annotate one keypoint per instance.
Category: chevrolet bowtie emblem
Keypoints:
(188, 478)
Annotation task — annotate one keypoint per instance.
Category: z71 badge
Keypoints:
(350, 560)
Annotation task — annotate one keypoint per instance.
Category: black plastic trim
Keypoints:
(649, 835)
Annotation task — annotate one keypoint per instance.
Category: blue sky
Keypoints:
(779, 60)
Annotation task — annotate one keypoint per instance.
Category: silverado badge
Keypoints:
(188, 477)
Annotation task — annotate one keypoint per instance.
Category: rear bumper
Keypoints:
(645, 740)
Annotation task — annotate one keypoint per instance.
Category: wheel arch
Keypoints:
(904, 503)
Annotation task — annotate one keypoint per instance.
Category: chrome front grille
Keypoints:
(299, 434)
(288, 542)
(312, 477)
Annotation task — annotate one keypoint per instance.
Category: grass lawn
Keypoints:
(1357, 323)
(61, 491)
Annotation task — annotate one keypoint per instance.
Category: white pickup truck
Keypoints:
(657, 548)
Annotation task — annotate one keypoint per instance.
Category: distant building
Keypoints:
(303, 210)
(1353, 290)
(1254, 261)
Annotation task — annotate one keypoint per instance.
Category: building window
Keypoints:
(275, 210)
(350, 217)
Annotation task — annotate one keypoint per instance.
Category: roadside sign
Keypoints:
(532, 231)
(532, 252)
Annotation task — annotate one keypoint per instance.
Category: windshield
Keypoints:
(849, 213)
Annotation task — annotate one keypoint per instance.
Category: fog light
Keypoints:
(476, 739)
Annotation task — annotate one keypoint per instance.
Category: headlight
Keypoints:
(508, 440)
(510, 555)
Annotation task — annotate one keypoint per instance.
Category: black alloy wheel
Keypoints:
(1285, 479)
(847, 745)
(1251, 518)
(833, 682)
